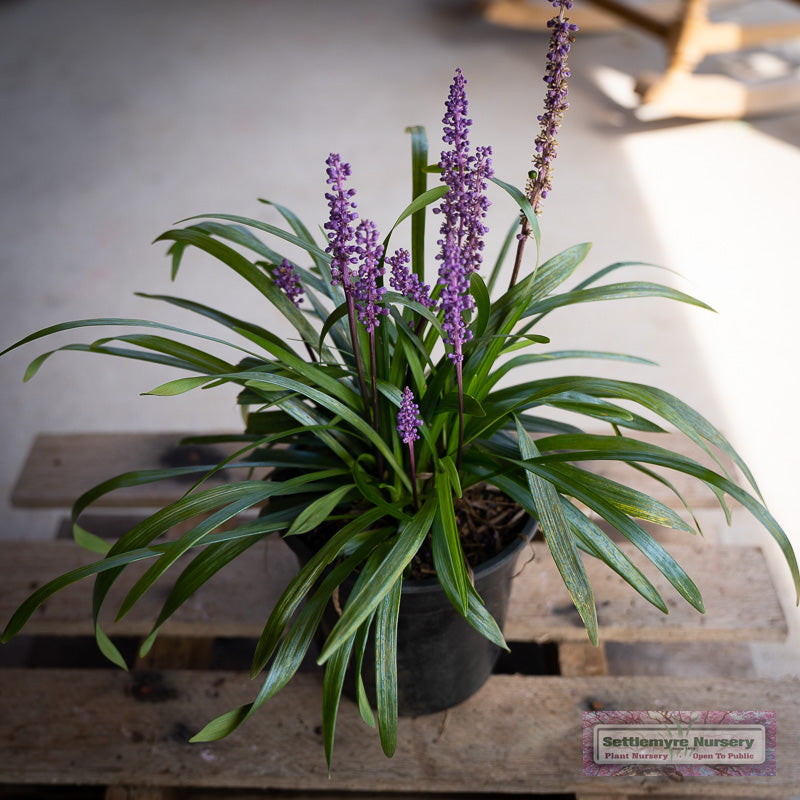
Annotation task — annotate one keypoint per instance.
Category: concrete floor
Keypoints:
(120, 118)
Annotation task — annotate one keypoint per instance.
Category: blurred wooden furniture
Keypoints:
(689, 36)
(125, 735)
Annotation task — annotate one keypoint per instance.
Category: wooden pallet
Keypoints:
(126, 733)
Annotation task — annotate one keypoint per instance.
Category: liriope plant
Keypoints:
(397, 397)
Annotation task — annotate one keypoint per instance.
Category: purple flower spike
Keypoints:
(368, 293)
(287, 279)
(340, 230)
(555, 103)
(463, 209)
(406, 282)
(408, 419)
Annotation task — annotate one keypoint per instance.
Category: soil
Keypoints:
(488, 522)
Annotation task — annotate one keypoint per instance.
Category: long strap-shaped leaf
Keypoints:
(617, 448)
(588, 536)
(559, 539)
(655, 552)
(325, 400)
(361, 605)
(386, 666)
(290, 653)
(666, 405)
(302, 583)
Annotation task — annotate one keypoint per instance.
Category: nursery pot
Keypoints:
(441, 659)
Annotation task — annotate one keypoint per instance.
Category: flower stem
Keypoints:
(522, 238)
(460, 383)
(374, 385)
(351, 318)
(413, 465)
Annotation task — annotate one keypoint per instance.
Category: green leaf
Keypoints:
(302, 232)
(359, 649)
(618, 448)
(88, 541)
(205, 565)
(110, 562)
(180, 385)
(232, 323)
(303, 582)
(450, 403)
(449, 466)
(371, 493)
(243, 499)
(316, 513)
(386, 666)
(359, 607)
(483, 304)
(418, 203)
(419, 185)
(310, 248)
(628, 500)
(616, 291)
(357, 422)
(448, 547)
(332, 684)
(559, 539)
(525, 207)
(589, 538)
(337, 314)
(666, 564)
(290, 653)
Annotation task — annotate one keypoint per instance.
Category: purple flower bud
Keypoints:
(367, 292)
(340, 231)
(287, 279)
(463, 209)
(406, 282)
(408, 419)
(555, 104)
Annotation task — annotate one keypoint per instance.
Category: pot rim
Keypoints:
(486, 568)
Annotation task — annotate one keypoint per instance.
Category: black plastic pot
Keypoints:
(441, 659)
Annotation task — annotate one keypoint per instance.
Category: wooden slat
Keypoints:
(237, 600)
(517, 735)
(580, 659)
(738, 608)
(60, 467)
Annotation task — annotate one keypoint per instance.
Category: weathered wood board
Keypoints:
(61, 467)
(237, 601)
(517, 735)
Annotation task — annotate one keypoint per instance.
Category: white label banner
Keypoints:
(674, 744)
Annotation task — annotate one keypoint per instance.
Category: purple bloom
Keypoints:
(555, 103)
(406, 282)
(287, 279)
(408, 419)
(463, 210)
(340, 231)
(368, 293)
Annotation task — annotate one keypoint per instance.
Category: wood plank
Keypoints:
(737, 607)
(516, 735)
(580, 659)
(60, 467)
(237, 601)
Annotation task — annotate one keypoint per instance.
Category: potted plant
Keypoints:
(396, 419)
